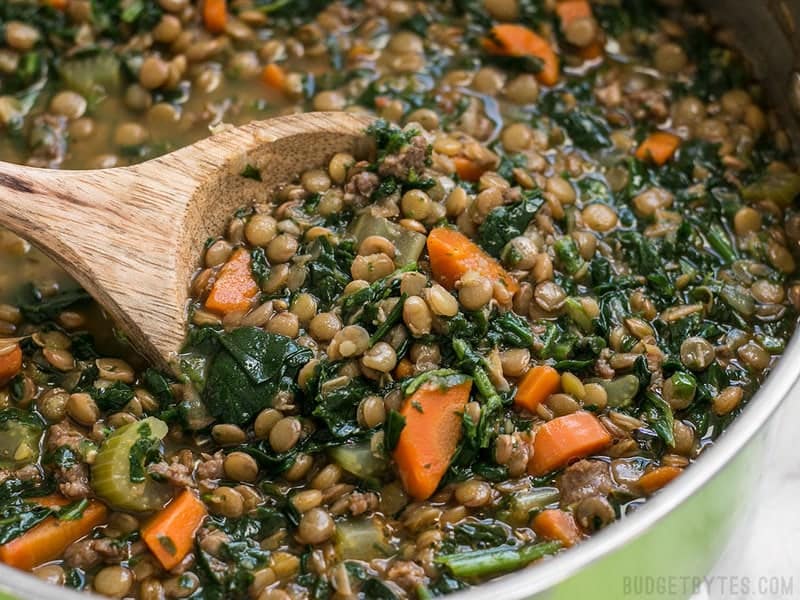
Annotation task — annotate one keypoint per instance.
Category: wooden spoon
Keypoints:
(133, 236)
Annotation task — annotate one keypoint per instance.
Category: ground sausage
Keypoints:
(584, 479)
(63, 434)
(408, 575)
(211, 540)
(359, 503)
(73, 482)
(26, 473)
(174, 473)
(411, 157)
(362, 184)
(82, 554)
(209, 471)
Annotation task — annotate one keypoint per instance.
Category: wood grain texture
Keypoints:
(133, 236)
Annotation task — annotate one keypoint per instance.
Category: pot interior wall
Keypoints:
(768, 33)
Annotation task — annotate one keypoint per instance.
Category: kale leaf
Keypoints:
(37, 308)
(17, 515)
(508, 329)
(247, 372)
(159, 386)
(504, 223)
(259, 266)
(588, 131)
(389, 139)
(659, 414)
(338, 407)
(395, 422)
(112, 397)
(329, 269)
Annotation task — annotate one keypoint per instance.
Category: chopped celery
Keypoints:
(361, 539)
(409, 244)
(360, 460)
(119, 473)
(93, 76)
(494, 561)
(621, 391)
(781, 188)
(444, 378)
(567, 252)
(525, 501)
(578, 314)
(20, 433)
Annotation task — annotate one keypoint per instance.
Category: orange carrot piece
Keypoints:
(274, 76)
(654, 480)
(592, 51)
(467, 169)
(10, 364)
(170, 533)
(49, 501)
(235, 287)
(564, 439)
(536, 385)
(58, 4)
(659, 147)
(50, 538)
(452, 254)
(568, 11)
(359, 51)
(430, 436)
(508, 39)
(555, 524)
(405, 368)
(215, 15)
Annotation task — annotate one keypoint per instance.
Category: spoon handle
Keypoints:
(113, 231)
(131, 236)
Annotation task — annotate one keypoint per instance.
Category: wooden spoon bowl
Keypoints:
(132, 236)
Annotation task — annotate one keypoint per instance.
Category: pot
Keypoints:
(666, 547)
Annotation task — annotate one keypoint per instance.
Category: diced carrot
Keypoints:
(274, 76)
(358, 51)
(49, 501)
(659, 147)
(508, 39)
(654, 480)
(170, 533)
(47, 540)
(566, 438)
(405, 368)
(58, 4)
(430, 436)
(555, 524)
(215, 15)
(452, 254)
(235, 287)
(467, 169)
(10, 364)
(536, 385)
(570, 10)
(592, 51)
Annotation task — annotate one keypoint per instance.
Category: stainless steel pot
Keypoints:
(667, 546)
